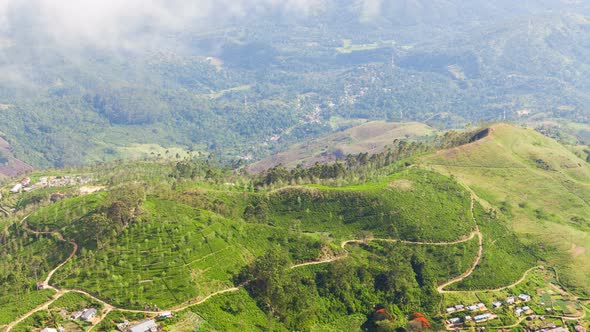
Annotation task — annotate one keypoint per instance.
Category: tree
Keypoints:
(98, 227)
(270, 284)
(123, 204)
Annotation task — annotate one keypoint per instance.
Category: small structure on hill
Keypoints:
(88, 314)
(454, 320)
(16, 189)
(382, 314)
(483, 317)
(50, 329)
(165, 314)
(76, 314)
(524, 297)
(554, 329)
(123, 326)
(40, 285)
(145, 326)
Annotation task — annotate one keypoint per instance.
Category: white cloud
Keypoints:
(116, 23)
(370, 9)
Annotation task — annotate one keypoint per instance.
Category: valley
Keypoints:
(301, 165)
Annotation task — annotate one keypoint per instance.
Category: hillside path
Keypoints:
(441, 288)
(196, 301)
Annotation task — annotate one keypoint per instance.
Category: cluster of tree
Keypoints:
(210, 169)
(344, 287)
(120, 208)
(129, 106)
(362, 163)
(25, 259)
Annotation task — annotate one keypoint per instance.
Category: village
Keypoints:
(533, 314)
(48, 182)
(89, 316)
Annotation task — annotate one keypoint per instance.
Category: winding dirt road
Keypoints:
(441, 288)
(109, 307)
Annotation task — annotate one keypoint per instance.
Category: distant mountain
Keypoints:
(231, 87)
(370, 137)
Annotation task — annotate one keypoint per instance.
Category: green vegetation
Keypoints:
(174, 254)
(548, 298)
(12, 306)
(109, 323)
(253, 87)
(364, 243)
(26, 259)
(228, 312)
(403, 276)
(505, 259)
(72, 302)
(433, 208)
(546, 207)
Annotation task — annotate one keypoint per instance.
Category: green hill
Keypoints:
(372, 137)
(538, 184)
(151, 240)
(225, 250)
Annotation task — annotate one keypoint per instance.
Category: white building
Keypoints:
(483, 317)
(145, 326)
(524, 297)
(17, 187)
(165, 314)
(88, 314)
(454, 320)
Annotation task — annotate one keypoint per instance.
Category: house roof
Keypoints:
(144, 326)
(88, 313)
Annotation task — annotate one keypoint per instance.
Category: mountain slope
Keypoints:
(233, 88)
(10, 166)
(371, 137)
(537, 183)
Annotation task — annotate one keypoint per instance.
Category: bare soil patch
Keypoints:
(90, 189)
(403, 185)
(577, 250)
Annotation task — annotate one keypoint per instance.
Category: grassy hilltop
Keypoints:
(538, 184)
